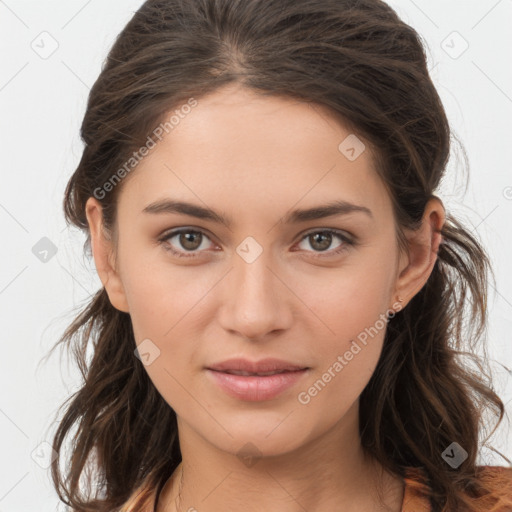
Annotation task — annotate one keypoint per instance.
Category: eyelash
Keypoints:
(344, 247)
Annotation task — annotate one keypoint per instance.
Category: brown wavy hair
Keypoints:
(358, 58)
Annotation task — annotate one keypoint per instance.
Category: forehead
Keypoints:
(257, 153)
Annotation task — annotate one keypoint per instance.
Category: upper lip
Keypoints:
(264, 365)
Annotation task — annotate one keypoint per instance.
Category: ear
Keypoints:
(103, 252)
(423, 248)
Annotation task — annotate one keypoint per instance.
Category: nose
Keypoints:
(256, 300)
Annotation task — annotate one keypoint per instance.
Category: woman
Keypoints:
(283, 292)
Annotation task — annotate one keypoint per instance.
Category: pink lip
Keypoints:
(256, 388)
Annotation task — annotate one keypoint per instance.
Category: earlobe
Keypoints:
(423, 245)
(103, 253)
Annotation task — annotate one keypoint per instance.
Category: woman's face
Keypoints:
(266, 283)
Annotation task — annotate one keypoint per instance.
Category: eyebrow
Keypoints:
(339, 207)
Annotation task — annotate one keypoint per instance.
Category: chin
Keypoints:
(261, 438)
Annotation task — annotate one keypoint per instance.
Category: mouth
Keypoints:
(256, 382)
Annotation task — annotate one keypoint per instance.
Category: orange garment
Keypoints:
(412, 501)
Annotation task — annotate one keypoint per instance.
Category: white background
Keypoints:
(42, 104)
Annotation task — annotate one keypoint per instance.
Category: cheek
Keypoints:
(167, 310)
(353, 308)
(162, 305)
(348, 300)
(345, 369)
(161, 295)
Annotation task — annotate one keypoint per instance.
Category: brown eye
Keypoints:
(187, 244)
(190, 240)
(321, 241)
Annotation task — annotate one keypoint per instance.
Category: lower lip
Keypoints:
(255, 388)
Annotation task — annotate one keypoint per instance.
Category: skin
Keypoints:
(254, 159)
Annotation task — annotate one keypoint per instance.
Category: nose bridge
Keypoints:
(256, 301)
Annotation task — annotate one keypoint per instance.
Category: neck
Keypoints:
(330, 470)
